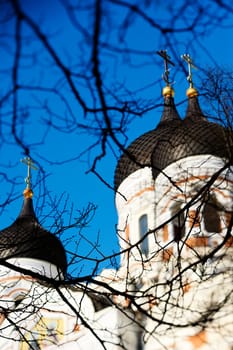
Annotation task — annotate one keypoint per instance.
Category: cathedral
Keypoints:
(173, 289)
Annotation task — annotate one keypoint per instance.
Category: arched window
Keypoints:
(178, 224)
(211, 217)
(143, 228)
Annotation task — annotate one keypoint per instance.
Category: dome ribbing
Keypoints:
(138, 154)
(25, 238)
(174, 139)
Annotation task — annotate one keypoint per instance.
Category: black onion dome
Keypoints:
(25, 238)
(175, 139)
(194, 136)
(138, 154)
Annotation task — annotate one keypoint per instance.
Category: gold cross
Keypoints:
(30, 164)
(167, 59)
(186, 57)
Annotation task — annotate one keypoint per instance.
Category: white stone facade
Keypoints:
(181, 299)
(192, 307)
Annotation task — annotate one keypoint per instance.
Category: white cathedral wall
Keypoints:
(202, 289)
(62, 317)
(209, 285)
(184, 325)
(177, 185)
(40, 267)
(185, 176)
(134, 198)
(39, 311)
(182, 182)
(111, 328)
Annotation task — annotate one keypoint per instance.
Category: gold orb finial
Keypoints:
(28, 193)
(191, 92)
(168, 91)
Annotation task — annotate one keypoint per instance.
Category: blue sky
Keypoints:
(62, 155)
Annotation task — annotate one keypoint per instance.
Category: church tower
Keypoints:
(174, 197)
(165, 171)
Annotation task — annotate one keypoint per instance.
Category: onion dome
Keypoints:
(26, 238)
(138, 154)
(175, 139)
(194, 136)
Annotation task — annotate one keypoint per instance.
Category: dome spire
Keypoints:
(27, 208)
(167, 90)
(194, 112)
(28, 193)
(191, 92)
(169, 111)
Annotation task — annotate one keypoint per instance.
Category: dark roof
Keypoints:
(26, 238)
(138, 154)
(189, 139)
(174, 139)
